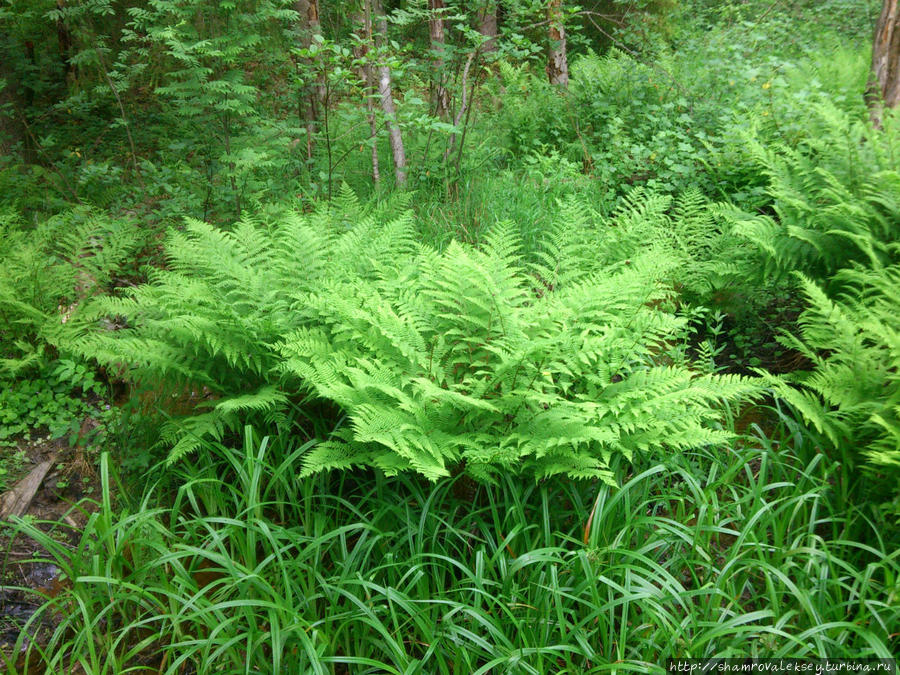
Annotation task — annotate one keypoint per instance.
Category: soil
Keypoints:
(28, 575)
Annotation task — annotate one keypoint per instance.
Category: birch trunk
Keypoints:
(557, 64)
(884, 86)
(386, 95)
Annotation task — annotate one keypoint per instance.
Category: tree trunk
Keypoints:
(557, 64)
(487, 26)
(387, 105)
(312, 98)
(441, 101)
(64, 43)
(363, 22)
(884, 85)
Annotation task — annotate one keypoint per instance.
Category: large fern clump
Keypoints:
(474, 356)
(206, 323)
(853, 395)
(835, 198)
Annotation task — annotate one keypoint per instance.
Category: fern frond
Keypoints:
(854, 392)
(464, 357)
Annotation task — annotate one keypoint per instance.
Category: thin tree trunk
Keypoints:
(373, 132)
(125, 123)
(463, 106)
(363, 21)
(30, 77)
(557, 64)
(12, 131)
(884, 85)
(487, 26)
(312, 97)
(387, 105)
(315, 28)
(64, 42)
(438, 46)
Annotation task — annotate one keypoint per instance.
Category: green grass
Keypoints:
(727, 552)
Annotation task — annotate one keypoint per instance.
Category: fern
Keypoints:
(853, 395)
(47, 272)
(211, 317)
(712, 258)
(834, 200)
(476, 356)
(702, 256)
(552, 364)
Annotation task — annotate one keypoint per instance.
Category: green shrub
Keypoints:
(853, 395)
(472, 355)
(834, 199)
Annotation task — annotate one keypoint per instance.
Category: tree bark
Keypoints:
(313, 96)
(557, 64)
(386, 95)
(438, 46)
(64, 43)
(884, 85)
(364, 43)
(487, 26)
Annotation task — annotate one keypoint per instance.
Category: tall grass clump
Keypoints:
(728, 552)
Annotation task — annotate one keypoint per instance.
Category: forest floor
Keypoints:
(51, 489)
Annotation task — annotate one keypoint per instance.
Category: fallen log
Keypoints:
(15, 502)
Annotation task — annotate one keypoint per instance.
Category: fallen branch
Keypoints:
(15, 502)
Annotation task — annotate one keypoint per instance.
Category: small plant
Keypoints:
(10, 465)
(711, 346)
(55, 403)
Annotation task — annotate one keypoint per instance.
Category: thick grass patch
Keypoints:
(744, 551)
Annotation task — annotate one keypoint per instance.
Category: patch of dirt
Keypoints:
(58, 502)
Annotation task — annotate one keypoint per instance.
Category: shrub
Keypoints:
(834, 199)
(853, 395)
(469, 354)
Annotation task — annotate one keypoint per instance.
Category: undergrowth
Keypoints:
(746, 551)
(472, 355)
(500, 421)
